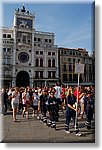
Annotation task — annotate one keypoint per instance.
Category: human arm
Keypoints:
(72, 107)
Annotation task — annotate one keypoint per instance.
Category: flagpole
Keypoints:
(77, 102)
(79, 69)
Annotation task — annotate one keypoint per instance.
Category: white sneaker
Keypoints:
(67, 131)
(38, 117)
(32, 115)
(78, 134)
(63, 108)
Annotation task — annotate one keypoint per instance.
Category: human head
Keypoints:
(51, 94)
(44, 92)
(36, 91)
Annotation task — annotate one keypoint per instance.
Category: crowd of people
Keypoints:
(74, 101)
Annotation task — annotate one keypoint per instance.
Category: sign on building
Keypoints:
(79, 68)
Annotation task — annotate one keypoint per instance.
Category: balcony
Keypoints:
(44, 33)
(21, 44)
(8, 41)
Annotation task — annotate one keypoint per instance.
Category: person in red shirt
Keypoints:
(63, 97)
(77, 91)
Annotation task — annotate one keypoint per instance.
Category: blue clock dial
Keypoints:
(23, 57)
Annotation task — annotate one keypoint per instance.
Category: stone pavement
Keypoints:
(34, 131)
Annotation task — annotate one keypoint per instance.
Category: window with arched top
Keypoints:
(41, 62)
(49, 63)
(53, 63)
(37, 62)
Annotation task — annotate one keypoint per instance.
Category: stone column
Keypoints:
(57, 62)
(45, 65)
(45, 62)
(14, 60)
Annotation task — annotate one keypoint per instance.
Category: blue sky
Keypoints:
(70, 22)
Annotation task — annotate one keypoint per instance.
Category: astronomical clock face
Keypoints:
(24, 23)
(23, 57)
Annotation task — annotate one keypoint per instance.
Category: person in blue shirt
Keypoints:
(43, 107)
(53, 111)
(88, 109)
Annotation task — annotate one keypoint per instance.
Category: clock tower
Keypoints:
(23, 50)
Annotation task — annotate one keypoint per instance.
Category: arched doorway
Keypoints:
(22, 79)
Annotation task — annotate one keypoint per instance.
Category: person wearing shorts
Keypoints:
(26, 102)
(15, 102)
(35, 98)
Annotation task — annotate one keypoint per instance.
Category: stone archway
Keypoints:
(22, 79)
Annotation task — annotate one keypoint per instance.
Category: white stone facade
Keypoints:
(29, 57)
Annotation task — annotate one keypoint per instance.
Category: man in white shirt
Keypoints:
(57, 91)
(58, 95)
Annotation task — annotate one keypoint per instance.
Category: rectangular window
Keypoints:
(90, 77)
(78, 60)
(79, 54)
(4, 49)
(65, 52)
(39, 39)
(73, 68)
(49, 74)
(90, 60)
(35, 39)
(73, 52)
(73, 60)
(37, 52)
(49, 53)
(4, 35)
(85, 70)
(9, 61)
(6, 61)
(41, 52)
(70, 68)
(41, 74)
(36, 74)
(90, 69)
(70, 77)
(64, 68)
(53, 53)
(69, 59)
(75, 78)
(9, 50)
(9, 36)
(7, 73)
(49, 40)
(70, 52)
(86, 54)
(46, 40)
(64, 77)
(53, 74)
(62, 52)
